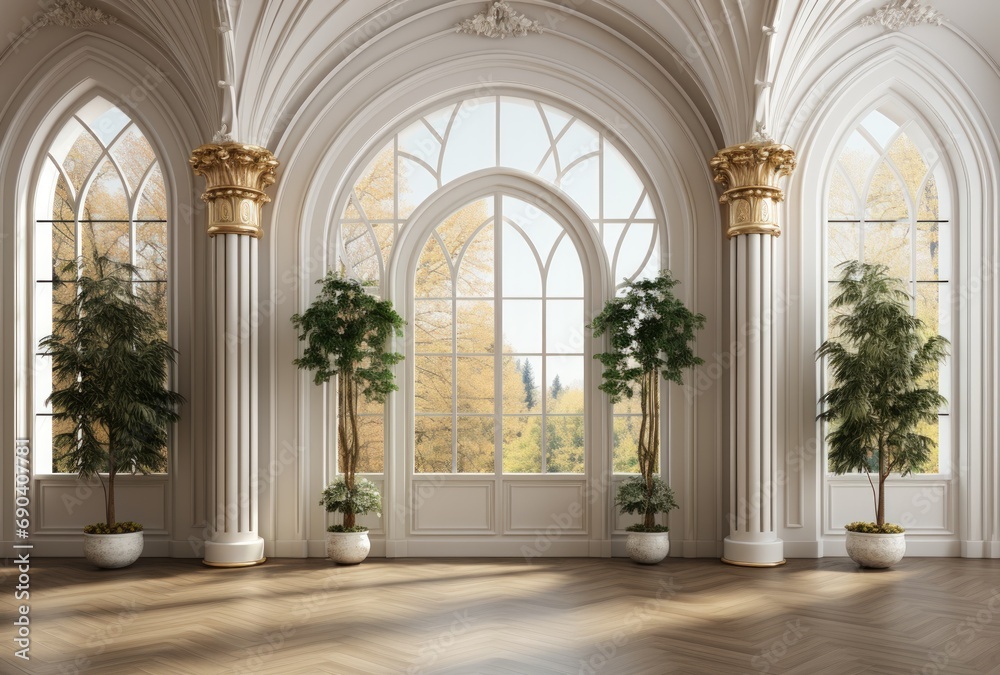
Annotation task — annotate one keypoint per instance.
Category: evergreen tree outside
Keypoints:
(556, 387)
(528, 378)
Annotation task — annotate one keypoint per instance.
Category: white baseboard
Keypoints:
(288, 548)
(804, 549)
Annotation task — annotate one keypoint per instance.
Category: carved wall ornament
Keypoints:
(899, 14)
(499, 20)
(75, 14)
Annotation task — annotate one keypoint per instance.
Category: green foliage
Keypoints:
(347, 332)
(873, 528)
(649, 330)
(650, 333)
(118, 528)
(879, 365)
(635, 496)
(109, 372)
(363, 498)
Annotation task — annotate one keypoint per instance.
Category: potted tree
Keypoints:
(649, 334)
(882, 365)
(109, 371)
(347, 332)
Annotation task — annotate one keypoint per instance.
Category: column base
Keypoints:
(234, 554)
(753, 553)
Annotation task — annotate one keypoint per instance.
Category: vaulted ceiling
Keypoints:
(722, 54)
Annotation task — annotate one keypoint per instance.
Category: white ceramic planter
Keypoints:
(876, 550)
(112, 551)
(347, 548)
(647, 548)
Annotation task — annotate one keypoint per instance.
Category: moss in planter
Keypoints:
(639, 527)
(872, 528)
(341, 528)
(124, 527)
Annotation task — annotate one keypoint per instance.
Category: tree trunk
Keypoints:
(882, 475)
(348, 436)
(111, 497)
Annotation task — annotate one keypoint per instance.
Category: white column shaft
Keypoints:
(235, 541)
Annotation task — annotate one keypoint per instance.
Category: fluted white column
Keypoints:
(750, 172)
(236, 175)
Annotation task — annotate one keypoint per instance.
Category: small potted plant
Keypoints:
(347, 333)
(881, 365)
(649, 334)
(109, 371)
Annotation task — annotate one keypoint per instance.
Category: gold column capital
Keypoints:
(750, 172)
(235, 176)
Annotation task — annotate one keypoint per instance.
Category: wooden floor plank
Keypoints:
(463, 616)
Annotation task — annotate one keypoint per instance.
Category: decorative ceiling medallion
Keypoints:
(899, 14)
(499, 21)
(74, 14)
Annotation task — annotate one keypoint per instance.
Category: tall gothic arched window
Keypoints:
(100, 193)
(465, 271)
(888, 202)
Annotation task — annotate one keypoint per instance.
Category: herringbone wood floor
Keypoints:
(813, 617)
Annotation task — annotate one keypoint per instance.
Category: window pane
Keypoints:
(106, 197)
(474, 326)
(523, 140)
(622, 187)
(566, 396)
(433, 279)
(564, 326)
(362, 251)
(133, 154)
(933, 252)
(104, 239)
(151, 250)
(886, 198)
(843, 243)
(81, 158)
(906, 158)
(376, 189)
(522, 444)
(432, 324)
(476, 443)
(433, 384)
(472, 142)
(522, 326)
(432, 444)
(521, 273)
(889, 244)
(475, 384)
(626, 443)
(371, 433)
(521, 376)
(564, 443)
(475, 273)
(565, 275)
(841, 199)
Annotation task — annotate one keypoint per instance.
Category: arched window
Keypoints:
(466, 275)
(888, 202)
(499, 272)
(100, 192)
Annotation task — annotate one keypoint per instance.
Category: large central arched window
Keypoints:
(472, 361)
(498, 324)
